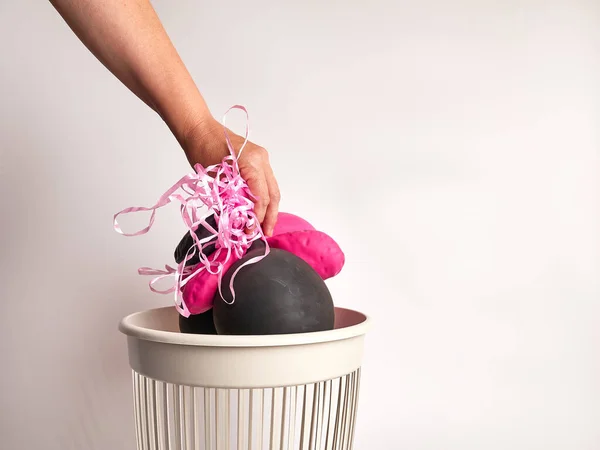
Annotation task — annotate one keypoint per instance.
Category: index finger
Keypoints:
(274, 197)
(259, 188)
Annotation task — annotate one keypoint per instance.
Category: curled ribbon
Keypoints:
(220, 190)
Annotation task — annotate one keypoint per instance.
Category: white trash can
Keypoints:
(277, 392)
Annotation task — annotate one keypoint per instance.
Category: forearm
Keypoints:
(128, 38)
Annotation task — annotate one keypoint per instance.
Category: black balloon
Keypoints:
(202, 233)
(198, 323)
(281, 294)
(187, 242)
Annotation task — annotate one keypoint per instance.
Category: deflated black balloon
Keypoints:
(281, 294)
(187, 242)
(198, 323)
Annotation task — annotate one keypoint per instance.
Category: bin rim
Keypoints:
(129, 327)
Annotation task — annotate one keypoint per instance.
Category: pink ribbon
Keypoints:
(220, 190)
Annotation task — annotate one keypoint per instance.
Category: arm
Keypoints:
(128, 38)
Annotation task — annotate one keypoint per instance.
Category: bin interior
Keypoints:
(167, 319)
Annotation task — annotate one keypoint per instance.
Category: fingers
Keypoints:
(259, 188)
(274, 197)
(256, 170)
(252, 170)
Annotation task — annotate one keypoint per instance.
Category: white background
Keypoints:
(450, 147)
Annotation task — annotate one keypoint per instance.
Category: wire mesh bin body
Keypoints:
(279, 392)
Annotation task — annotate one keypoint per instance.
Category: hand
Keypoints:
(205, 144)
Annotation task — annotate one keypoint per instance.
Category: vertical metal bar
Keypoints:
(228, 427)
(207, 421)
(183, 412)
(150, 403)
(355, 409)
(345, 415)
(322, 428)
(350, 411)
(222, 418)
(278, 414)
(284, 416)
(344, 412)
(195, 419)
(336, 431)
(272, 427)
(330, 415)
(347, 411)
(314, 417)
(176, 416)
(136, 411)
(261, 430)
(143, 411)
(317, 413)
(217, 419)
(325, 387)
(251, 420)
(291, 428)
(304, 430)
(158, 407)
(242, 433)
(167, 433)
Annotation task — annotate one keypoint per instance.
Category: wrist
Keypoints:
(185, 121)
(197, 133)
(201, 141)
